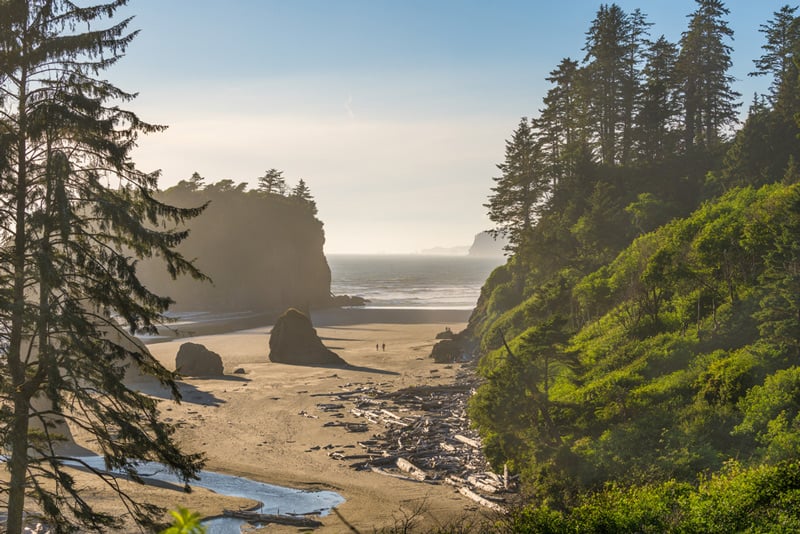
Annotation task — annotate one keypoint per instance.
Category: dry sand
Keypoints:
(251, 425)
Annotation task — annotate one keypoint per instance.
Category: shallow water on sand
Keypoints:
(274, 499)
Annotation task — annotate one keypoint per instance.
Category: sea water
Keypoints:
(411, 281)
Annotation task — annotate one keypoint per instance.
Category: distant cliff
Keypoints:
(262, 251)
(485, 245)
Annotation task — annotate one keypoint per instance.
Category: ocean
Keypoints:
(411, 281)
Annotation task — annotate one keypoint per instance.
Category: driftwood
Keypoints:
(471, 442)
(393, 475)
(255, 517)
(455, 481)
(412, 470)
(422, 434)
(482, 485)
(469, 494)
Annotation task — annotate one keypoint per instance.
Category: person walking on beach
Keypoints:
(384, 347)
(376, 347)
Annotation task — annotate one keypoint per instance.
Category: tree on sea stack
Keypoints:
(76, 215)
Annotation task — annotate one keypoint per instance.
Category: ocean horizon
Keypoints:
(411, 281)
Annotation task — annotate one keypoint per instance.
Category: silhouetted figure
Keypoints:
(384, 347)
(376, 346)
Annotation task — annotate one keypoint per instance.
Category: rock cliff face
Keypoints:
(485, 246)
(262, 252)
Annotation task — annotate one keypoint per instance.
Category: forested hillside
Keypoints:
(262, 249)
(640, 348)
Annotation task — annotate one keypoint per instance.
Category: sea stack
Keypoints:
(194, 359)
(295, 341)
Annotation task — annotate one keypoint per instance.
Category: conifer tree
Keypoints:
(72, 298)
(521, 188)
(561, 125)
(709, 102)
(782, 35)
(272, 182)
(606, 68)
(656, 119)
(301, 193)
(635, 58)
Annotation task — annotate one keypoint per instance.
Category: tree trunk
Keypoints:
(18, 463)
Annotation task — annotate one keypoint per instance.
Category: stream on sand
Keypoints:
(273, 499)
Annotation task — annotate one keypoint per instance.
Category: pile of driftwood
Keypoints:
(421, 434)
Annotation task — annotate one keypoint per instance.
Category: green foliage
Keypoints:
(669, 258)
(738, 499)
(661, 366)
(772, 414)
(184, 522)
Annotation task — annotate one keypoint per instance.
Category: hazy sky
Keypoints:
(394, 112)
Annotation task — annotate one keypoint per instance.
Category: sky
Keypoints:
(395, 113)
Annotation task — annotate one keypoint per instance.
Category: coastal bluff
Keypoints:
(263, 252)
(485, 245)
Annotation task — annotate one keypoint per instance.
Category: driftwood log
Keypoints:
(256, 517)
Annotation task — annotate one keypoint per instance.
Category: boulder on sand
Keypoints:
(194, 359)
(446, 351)
(293, 340)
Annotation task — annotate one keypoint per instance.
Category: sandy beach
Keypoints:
(252, 424)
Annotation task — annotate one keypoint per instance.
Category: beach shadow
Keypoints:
(363, 369)
(346, 367)
(191, 394)
(339, 339)
(228, 378)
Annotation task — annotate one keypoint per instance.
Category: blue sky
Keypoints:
(394, 112)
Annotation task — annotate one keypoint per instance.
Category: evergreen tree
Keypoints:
(68, 264)
(196, 181)
(301, 193)
(606, 51)
(562, 123)
(635, 57)
(782, 35)
(660, 108)
(709, 103)
(521, 187)
(272, 182)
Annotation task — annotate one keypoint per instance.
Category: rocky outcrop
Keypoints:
(446, 351)
(294, 340)
(445, 334)
(487, 246)
(194, 359)
(262, 253)
(341, 301)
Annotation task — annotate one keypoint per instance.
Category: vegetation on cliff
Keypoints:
(645, 331)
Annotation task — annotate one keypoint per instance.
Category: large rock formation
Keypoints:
(263, 252)
(294, 340)
(194, 359)
(487, 246)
